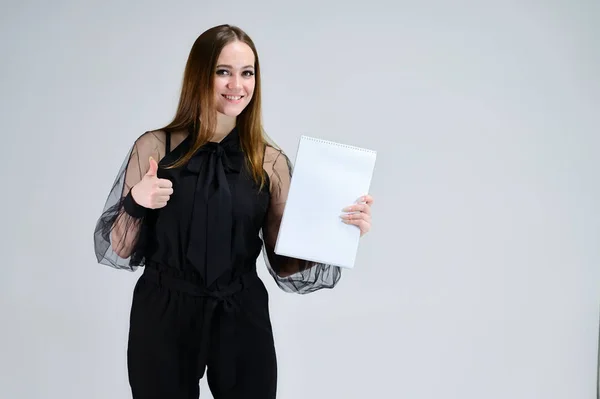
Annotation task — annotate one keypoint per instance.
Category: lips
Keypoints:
(232, 98)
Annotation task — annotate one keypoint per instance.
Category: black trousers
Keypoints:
(179, 330)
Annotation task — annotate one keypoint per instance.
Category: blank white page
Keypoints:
(326, 178)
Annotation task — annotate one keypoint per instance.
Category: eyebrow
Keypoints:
(230, 67)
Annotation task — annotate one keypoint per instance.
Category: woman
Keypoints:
(195, 202)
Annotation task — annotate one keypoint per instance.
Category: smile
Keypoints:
(233, 98)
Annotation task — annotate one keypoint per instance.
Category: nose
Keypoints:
(234, 82)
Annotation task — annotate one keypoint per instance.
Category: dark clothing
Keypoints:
(213, 219)
(199, 303)
(177, 330)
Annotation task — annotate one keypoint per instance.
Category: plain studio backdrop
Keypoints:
(480, 278)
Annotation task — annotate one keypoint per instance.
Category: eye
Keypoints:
(225, 72)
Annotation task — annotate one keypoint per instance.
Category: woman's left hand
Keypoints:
(360, 214)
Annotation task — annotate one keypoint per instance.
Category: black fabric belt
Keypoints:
(222, 298)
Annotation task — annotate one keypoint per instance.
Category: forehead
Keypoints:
(237, 54)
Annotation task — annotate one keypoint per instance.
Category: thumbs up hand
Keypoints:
(152, 192)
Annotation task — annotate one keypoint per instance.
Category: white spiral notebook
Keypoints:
(326, 178)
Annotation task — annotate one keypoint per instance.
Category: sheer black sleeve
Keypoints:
(290, 274)
(119, 233)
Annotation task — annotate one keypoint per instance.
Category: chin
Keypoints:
(231, 111)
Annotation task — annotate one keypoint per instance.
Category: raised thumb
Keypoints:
(153, 168)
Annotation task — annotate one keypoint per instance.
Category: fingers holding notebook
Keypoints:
(359, 214)
(368, 199)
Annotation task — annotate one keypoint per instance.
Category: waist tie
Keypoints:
(214, 299)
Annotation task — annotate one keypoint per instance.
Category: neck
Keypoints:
(225, 124)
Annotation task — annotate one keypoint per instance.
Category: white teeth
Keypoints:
(234, 98)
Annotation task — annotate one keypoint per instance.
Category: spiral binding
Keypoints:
(351, 147)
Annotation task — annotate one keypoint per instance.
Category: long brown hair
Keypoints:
(196, 102)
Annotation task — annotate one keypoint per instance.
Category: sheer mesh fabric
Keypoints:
(122, 232)
(119, 233)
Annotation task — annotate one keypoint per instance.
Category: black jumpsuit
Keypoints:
(199, 305)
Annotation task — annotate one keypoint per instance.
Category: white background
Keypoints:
(480, 277)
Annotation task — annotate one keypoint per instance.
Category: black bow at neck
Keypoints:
(211, 229)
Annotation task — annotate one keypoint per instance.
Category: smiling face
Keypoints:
(234, 79)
